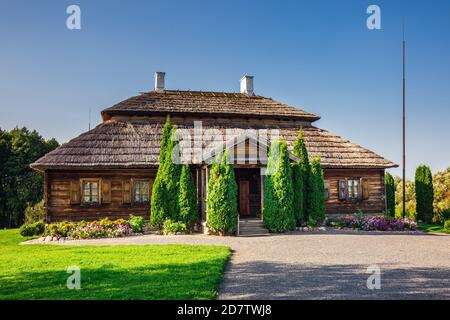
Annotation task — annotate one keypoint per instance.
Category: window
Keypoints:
(91, 191)
(353, 188)
(140, 191)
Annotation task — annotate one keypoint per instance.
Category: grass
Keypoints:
(109, 272)
(432, 227)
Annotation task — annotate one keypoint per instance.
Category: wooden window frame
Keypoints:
(99, 191)
(326, 187)
(351, 192)
(133, 189)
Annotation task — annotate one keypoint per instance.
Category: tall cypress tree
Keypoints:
(305, 169)
(317, 195)
(187, 200)
(171, 178)
(159, 210)
(424, 194)
(278, 214)
(164, 203)
(390, 194)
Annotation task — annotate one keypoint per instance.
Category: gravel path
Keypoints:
(323, 265)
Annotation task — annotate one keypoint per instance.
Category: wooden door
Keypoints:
(244, 198)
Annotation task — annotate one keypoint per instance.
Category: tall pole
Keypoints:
(404, 121)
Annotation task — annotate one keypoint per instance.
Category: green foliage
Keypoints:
(172, 227)
(20, 186)
(424, 194)
(298, 187)
(441, 188)
(165, 193)
(136, 223)
(278, 212)
(32, 229)
(410, 199)
(317, 194)
(34, 213)
(222, 197)
(390, 194)
(187, 200)
(301, 152)
(447, 225)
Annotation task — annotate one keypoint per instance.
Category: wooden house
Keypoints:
(109, 170)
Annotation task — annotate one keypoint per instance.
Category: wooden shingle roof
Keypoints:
(198, 103)
(135, 144)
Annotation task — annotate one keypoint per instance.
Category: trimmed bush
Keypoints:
(172, 227)
(34, 213)
(32, 229)
(278, 214)
(424, 194)
(187, 200)
(222, 197)
(390, 194)
(317, 194)
(136, 223)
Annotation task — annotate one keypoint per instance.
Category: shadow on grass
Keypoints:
(161, 281)
(268, 280)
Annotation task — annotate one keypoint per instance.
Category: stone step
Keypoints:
(252, 228)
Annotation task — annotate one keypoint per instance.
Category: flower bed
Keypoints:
(104, 228)
(374, 223)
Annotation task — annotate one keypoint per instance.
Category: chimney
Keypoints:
(159, 81)
(247, 85)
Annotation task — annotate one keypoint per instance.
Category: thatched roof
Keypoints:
(135, 144)
(199, 103)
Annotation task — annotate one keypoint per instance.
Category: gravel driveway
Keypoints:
(324, 265)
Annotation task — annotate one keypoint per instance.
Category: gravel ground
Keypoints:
(323, 265)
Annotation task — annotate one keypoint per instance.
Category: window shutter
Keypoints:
(126, 192)
(106, 191)
(74, 192)
(343, 189)
(365, 188)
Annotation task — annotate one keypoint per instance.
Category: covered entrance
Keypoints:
(249, 192)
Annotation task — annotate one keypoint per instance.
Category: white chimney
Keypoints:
(247, 85)
(160, 81)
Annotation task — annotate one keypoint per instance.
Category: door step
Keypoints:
(252, 228)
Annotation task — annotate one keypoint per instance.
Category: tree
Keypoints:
(278, 214)
(301, 152)
(441, 189)
(390, 194)
(165, 193)
(317, 194)
(410, 199)
(424, 194)
(222, 197)
(20, 186)
(187, 200)
(298, 187)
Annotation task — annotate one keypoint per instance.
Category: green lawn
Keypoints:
(113, 272)
(438, 228)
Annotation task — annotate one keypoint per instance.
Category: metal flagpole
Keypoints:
(404, 121)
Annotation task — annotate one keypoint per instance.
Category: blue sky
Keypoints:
(316, 55)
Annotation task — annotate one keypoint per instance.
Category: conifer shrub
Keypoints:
(424, 194)
(390, 194)
(278, 211)
(187, 200)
